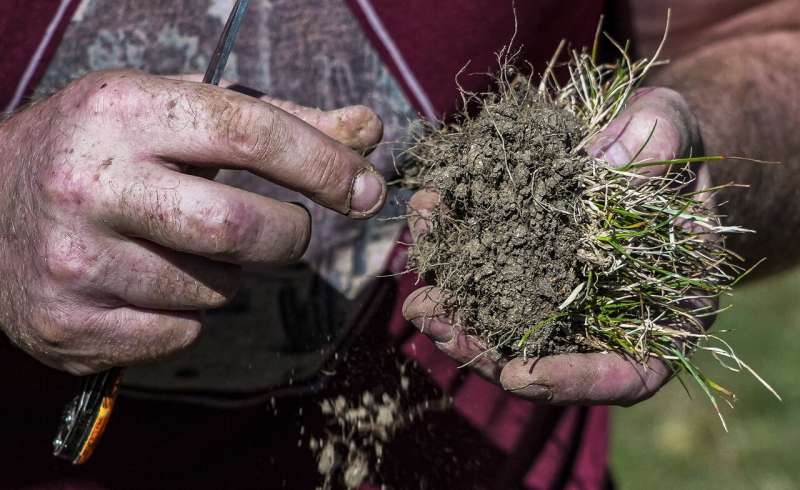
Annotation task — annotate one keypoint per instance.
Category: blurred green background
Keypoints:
(671, 441)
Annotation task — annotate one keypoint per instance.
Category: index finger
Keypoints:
(208, 126)
(420, 209)
(356, 126)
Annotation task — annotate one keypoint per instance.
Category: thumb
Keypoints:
(656, 125)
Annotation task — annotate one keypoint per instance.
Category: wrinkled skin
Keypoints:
(593, 378)
(114, 238)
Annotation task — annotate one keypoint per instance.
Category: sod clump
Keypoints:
(505, 242)
(541, 248)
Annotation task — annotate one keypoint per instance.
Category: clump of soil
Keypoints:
(503, 243)
(359, 429)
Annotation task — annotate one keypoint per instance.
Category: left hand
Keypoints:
(591, 378)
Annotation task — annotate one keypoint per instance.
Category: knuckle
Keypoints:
(327, 174)
(82, 369)
(111, 92)
(66, 337)
(227, 227)
(49, 334)
(253, 135)
(55, 330)
(69, 260)
(65, 187)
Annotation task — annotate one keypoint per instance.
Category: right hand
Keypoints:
(659, 123)
(112, 241)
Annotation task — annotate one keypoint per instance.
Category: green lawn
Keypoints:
(671, 441)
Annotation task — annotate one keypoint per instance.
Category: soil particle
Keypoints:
(359, 429)
(504, 241)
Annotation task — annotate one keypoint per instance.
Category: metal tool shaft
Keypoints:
(226, 41)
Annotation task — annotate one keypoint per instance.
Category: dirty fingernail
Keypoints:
(303, 207)
(300, 204)
(419, 224)
(368, 192)
(437, 330)
(532, 392)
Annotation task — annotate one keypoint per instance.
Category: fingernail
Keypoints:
(533, 392)
(367, 194)
(437, 330)
(302, 205)
(616, 154)
(304, 208)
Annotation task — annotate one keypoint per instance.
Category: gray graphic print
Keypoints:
(311, 52)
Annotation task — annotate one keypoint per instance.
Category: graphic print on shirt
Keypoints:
(310, 52)
(306, 51)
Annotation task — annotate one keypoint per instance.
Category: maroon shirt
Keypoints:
(491, 439)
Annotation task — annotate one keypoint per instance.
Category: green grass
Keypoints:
(671, 441)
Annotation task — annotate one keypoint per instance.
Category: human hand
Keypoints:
(114, 242)
(585, 378)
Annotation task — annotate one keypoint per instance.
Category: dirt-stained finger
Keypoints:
(586, 379)
(419, 210)
(470, 352)
(208, 126)
(124, 336)
(186, 213)
(146, 275)
(425, 309)
(357, 126)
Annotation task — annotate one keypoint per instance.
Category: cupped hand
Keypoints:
(658, 117)
(114, 242)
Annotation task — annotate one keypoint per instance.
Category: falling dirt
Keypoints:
(503, 243)
(359, 429)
